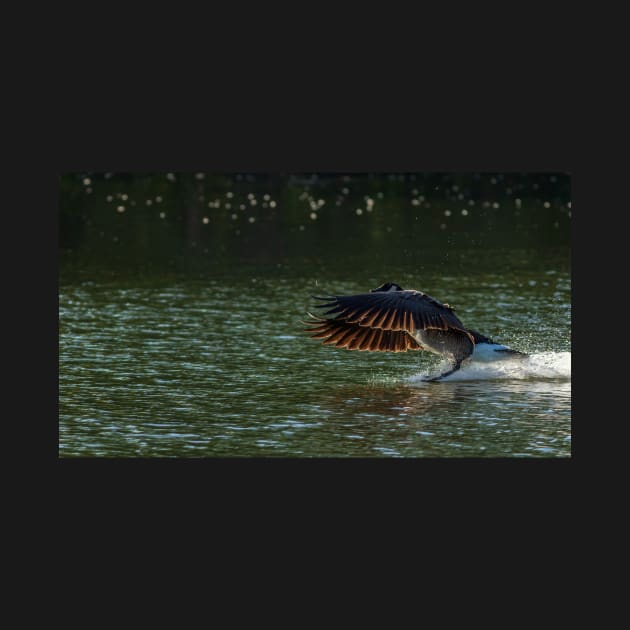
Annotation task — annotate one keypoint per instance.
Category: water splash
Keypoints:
(543, 365)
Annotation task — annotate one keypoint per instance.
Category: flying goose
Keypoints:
(392, 319)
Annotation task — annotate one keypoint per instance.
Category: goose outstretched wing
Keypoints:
(382, 320)
(339, 333)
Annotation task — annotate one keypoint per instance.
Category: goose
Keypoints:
(392, 319)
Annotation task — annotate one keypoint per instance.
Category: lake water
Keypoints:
(191, 345)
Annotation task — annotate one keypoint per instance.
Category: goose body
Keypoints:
(392, 319)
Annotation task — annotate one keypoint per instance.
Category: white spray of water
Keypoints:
(543, 365)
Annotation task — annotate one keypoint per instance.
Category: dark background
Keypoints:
(152, 223)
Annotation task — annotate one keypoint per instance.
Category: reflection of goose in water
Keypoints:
(392, 319)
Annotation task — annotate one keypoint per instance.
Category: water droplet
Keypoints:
(200, 175)
(206, 220)
(120, 208)
(359, 211)
(158, 199)
(109, 198)
(149, 202)
(547, 204)
(313, 215)
(465, 212)
(272, 204)
(251, 219)
(87, 181)
(447, 213)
